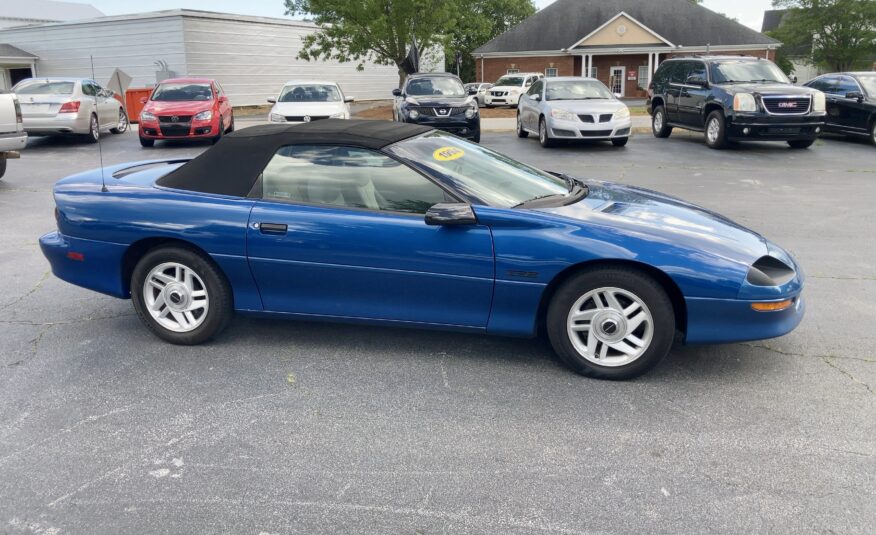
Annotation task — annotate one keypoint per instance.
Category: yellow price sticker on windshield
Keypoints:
(446, 154)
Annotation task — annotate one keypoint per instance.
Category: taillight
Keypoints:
(70, 107)
(18, 118)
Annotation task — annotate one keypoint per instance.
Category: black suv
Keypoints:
(851, 102)
(733, 98)
(438, 100)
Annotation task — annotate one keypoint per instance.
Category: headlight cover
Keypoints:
(744, 102)
(277, 118)
(204, 115)
(146, 116)
(623, 113)
(564, 115)
(818, 102)
(413, 114)
(471, 111)
(339, 115)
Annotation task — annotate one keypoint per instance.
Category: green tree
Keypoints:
(478, 22)
(373, 30)
(842, 32)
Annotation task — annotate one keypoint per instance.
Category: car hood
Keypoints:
(505, 88)
(588, 106)
(184, 107)
(768, 89)
(308, 108)
(430, 100)
(662, 218)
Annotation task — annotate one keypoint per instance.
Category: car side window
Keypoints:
(661, 76)
(536, 88)
(847, 85)
(681, 72)
(829, 84)
(89, 89)
(347, 177)
(697, 69)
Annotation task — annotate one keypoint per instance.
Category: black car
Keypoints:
(438, 100)
(733, 98)
(851, 102)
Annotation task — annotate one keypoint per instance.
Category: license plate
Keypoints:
(784, 130)
(36, 108)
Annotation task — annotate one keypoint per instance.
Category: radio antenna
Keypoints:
(99, 144)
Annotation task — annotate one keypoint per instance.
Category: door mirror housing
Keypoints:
(272, 100)
(857, 95)
(536, 97)
(349, 99)
(223, 99)
(698, 81)
(143, 100)
(472, 90)
(396, 92)
(793, 78)
(451, 214)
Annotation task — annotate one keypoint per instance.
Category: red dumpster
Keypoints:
(134, 100)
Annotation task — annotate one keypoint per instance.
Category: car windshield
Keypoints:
(441, 86)
(576, 90)
(44, 87)
(509, 80)
(477, 171)
(869, 83)
(173, 92)
(747, 71)
(310, 93)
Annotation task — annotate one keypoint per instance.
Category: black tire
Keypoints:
(801, 143)
(93, 134)
(645, 288)
(221, 305)
(146, 142)
(873, 132)
(521, 133)
(658, 123)
(231, 126)
(215, 139)
(543, 136)
(2, 166)
(619, 141)
(717, 139)
(126, 124)
(477, 137)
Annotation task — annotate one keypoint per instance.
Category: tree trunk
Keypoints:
(402, 76)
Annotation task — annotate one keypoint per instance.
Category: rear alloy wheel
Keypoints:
(521, 132)
(543, 137)
(658, 123)
(93, 134)
(619, 141)
(801, 143)
(715, 132)
(611, 323)
(122, 125)
(181, 296)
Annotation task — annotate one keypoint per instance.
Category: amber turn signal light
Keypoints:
(773, 306)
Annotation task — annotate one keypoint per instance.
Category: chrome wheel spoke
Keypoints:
(612, 301)
(624, 348)
(159, 302)
(636, 321)
(176, 297)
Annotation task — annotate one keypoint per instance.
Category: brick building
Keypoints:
(619, 42)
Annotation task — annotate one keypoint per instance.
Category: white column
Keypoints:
(650, 65)
(589, 65)
(656, 61)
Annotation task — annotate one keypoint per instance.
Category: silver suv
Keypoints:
(12, 135)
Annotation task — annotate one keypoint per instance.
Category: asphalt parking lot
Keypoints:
(285, 427)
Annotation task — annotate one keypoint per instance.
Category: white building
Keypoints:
(25, 12)
(250, 56)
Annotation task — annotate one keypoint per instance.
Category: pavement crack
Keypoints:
(34, 288)
(848, 374)
(34, 347)
(792, 354)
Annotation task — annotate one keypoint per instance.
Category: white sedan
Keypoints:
(306, 101)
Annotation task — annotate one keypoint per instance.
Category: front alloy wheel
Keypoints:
(716, 133)
(543, 137)
(93, 130)
(521, 132)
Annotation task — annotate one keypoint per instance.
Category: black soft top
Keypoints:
(232, 166)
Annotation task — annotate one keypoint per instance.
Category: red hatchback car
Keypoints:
(186, 108)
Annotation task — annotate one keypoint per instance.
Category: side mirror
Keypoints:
(349, 99)
(143, 100)
(446, 214)
(272, 100)
(396, 92)
(472, 90)
(793, 78)
(698, 81)
(223, 99)
(857, 95)
(536, 97)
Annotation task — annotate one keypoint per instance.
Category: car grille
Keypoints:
(498, 93)
(300, 118)
(603, 118)
(433, 112)
(175, 129)
(179, 118)
(595, 133)
(786, 105)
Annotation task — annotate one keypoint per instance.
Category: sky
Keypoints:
(748, 12)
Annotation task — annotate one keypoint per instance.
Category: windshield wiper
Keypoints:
(534, 200)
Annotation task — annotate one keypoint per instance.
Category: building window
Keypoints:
(512, 71)
(643, 77)
(550, 72)
(592, 73)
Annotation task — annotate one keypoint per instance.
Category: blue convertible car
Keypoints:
(368, 221)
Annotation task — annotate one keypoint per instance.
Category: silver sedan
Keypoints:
(573, 108)
(69, 106)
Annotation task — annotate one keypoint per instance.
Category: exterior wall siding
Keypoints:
(131, 45)
(493, 68)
